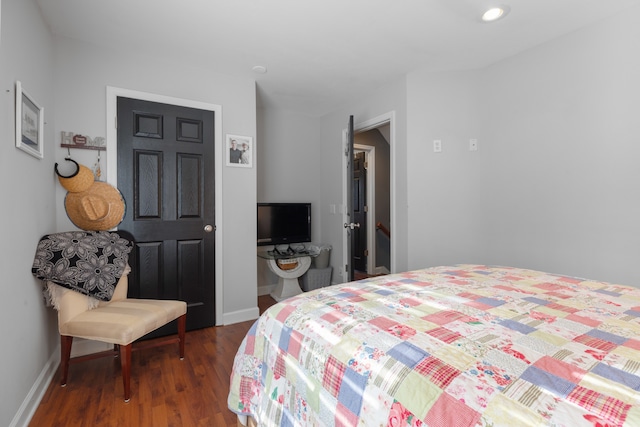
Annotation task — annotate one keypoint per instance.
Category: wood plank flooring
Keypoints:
(165, 391)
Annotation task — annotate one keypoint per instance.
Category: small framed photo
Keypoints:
(29, 124)
(239, 151)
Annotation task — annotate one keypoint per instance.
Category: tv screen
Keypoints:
(284, 223)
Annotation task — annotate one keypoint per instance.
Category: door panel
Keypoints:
(166, 175)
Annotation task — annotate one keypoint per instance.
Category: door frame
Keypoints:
(370, 161)
(112, 164)
(383, 119)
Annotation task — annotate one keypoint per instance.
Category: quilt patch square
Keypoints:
(417, 394)
(285, 335)
(559, 295)
(333, 374)
(596, 343)
(333, 316)
(438, 372)
(535, 300)
(479, 305)
(390, 376)
(344, 417)
(444, 317)
(407, 354)
(608, 292)
(491, 302)
(607, 336)
(548, 381)
(594, 323)
(631, 343)
(295, 344)
(251, 342)
(383, 323)
(285, 312)
(410, 302)
(517, 326)
(469, 296)
(561, 307)
(448, 411)
(445, 335)
(549, 286)
(351, 390)
(617, 375)
(280, 366)
(607, 407)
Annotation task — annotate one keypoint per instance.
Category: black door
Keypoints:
(350, 225)
(166, 176)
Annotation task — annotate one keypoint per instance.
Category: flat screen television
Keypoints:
(284, 223)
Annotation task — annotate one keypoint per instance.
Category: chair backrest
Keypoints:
(71, 303)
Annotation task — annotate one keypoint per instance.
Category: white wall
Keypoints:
(443, 187)
(555, 183)
(288, 171)
(29, 329)
(83, 72)
(69, 79)
(391, 98)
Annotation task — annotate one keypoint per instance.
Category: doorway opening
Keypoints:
(375, 139)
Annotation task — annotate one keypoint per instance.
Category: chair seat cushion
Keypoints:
(122, 322)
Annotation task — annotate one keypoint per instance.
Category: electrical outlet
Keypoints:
(473, 145)
(437, 146)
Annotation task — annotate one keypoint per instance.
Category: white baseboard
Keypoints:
(241, 315)
(33, 398)
(80, 347)
(266, 289)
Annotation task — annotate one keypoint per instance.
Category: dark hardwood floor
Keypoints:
(165, 391)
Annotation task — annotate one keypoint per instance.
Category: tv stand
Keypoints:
(288, 268)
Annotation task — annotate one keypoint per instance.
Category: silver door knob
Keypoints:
(208, 228)
(352, 225)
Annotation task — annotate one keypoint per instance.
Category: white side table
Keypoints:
(288, 270)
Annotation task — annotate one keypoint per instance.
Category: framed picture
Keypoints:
(239, 151)
(29, 124)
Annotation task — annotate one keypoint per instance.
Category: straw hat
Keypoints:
(78, 181)
(100, 207)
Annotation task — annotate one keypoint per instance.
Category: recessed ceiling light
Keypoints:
(259, 69)
(495, 13)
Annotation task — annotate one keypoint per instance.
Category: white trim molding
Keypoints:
(37, 391)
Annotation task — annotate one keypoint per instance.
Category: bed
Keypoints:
(465, 345)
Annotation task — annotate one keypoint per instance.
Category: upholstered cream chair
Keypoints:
(121, 321)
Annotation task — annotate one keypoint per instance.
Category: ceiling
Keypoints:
(319, 54)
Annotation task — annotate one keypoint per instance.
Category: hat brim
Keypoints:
(110, 194)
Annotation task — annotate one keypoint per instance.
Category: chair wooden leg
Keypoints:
(182, 327)
(65, 355)
(125, 363)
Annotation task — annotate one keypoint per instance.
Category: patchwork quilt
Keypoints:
(465, 345)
